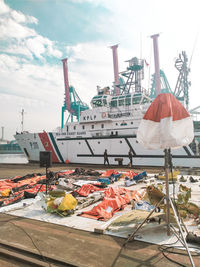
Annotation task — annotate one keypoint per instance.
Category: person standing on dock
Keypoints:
(106, 157)
(130, 155)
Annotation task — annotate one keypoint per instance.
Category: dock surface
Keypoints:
(27, 242)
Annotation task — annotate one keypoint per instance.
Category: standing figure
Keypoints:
(130, 155)
(105, 157)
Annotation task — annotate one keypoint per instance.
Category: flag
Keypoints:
(166, 124)
(147, 64)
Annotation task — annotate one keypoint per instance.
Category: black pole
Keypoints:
(46, 177)
(167, 190)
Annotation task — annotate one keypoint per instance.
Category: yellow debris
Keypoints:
(68, 203)
(171, 176)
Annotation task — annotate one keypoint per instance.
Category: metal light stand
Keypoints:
(47, 177)
(168, 204)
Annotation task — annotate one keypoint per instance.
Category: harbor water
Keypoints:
(13, 158)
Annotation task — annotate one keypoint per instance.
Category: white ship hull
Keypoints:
(90, 150)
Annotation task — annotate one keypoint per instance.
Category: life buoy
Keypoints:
(103, 115)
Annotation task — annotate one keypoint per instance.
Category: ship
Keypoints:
(111, 123)
(9, 147)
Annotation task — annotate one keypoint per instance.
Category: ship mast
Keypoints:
(66, 81)
(157, 63)
(182, 86)
(2, 132)
(116, 70)
(22, 121)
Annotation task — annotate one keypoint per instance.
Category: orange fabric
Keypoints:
(14, 199)
(86, 189)
(112, 192)
(130, 174)
(115, 200)
(66, 172)
(105, 210)
(109, 173)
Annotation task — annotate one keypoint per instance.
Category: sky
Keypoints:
(35, 35)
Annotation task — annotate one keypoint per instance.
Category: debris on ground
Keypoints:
(124, 197)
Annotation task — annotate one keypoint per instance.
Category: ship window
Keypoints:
(67, 128)
(145, 100)
(83, 127)
(102, 125)
(128, 101)
(132, 122)
(136, 100)
(104, 102)
(111, 133)
(84, 118)
(120, 142)
(35, 145)
(123, 123)
(74, 127)
(114, 103)
(97, 102)
(87, 117)
(92, 126)
(99, 142)
(79, 143)
(121, 102)
(95, 117)
(116, 132)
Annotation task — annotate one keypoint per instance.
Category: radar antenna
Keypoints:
(134, 75)
(182, 85)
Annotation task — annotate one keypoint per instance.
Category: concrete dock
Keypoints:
(71, 247)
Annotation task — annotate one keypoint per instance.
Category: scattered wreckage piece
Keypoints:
(61, 203)
(85, 202)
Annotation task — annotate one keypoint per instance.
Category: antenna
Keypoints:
(22, 121)
(140, 45)
(2, 131)
(194, 46)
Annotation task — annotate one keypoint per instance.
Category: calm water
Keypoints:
(13, 158)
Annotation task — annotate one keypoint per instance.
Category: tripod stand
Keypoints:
(46, 161)
(169, 203)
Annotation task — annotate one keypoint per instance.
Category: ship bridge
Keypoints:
(119, 101)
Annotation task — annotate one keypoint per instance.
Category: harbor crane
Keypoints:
(72, 102)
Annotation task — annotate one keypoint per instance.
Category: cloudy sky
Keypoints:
(36, 34)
